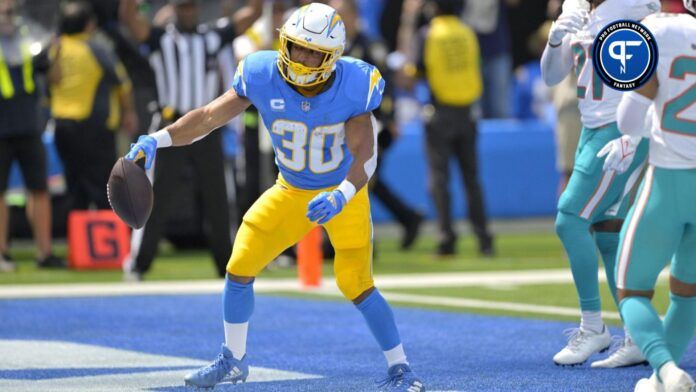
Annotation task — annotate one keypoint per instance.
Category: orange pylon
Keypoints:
(310, 258)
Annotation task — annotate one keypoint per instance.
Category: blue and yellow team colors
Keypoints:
(308, 136)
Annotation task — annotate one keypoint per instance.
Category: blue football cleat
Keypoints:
(401, 378)
(224, 365)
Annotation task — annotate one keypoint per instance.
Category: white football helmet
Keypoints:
(317, 27)
(690, 5)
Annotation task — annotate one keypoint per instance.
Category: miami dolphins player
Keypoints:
(592, 208)
(317, 107)
(662, 223)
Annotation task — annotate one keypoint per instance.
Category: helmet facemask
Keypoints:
(299, 74)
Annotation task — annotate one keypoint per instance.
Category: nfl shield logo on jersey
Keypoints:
(305, 106)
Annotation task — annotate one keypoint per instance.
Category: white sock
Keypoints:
(235, 338)
(592, 321)
(666, 369)
(395, 356)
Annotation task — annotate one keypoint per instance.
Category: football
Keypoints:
(130, 193)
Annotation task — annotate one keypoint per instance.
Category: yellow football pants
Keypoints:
(277, 221)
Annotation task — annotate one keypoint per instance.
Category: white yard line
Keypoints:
(395, 281)
(470, 303)
(489, 279)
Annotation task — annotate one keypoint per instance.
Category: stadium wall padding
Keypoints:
(516, 166)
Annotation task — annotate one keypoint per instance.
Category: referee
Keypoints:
(183, 56)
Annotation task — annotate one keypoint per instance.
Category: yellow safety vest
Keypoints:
(451, 57)
(7, 89)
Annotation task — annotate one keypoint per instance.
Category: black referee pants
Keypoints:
(206, 159)
(451, 132)
(403, 213)
(88, 152)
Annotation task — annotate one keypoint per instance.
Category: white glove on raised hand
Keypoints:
(570, 22)
(620, 153)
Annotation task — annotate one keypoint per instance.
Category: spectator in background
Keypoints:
(529, 98)
(389, 23)
(449, 59)
(255, 169)
(21, 60)
(89, 103)
(565, 101)
(568, 126)
(360, 46)
(184, 58)
(488, 18)
(110, 35)
(264, 33)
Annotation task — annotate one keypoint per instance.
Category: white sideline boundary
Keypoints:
(503, 279)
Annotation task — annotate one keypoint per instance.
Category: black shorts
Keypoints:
(29, 151)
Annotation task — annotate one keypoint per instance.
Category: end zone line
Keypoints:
(384, 282)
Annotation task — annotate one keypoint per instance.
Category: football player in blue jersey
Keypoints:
(317, 107)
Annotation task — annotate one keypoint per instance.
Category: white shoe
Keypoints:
(7, 265)
(651, 384)
(626, 354)
(132, 276)
(678, 380)
(582, 344)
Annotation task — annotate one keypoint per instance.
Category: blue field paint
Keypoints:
(43, 374)
(450, 351)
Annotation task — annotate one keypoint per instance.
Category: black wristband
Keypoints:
(555, 46)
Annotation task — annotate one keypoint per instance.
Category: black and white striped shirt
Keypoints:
(186, 64)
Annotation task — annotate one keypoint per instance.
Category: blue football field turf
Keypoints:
(450, 351)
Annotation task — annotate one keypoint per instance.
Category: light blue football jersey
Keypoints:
(308, 134)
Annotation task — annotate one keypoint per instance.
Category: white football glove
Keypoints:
(570, 22)
(620, 153)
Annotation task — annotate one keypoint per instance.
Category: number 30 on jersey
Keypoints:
(294, 154)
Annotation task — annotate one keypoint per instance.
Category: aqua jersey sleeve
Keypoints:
(364, 85)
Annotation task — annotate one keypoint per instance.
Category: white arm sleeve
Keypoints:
(163, 138)
(630, 115)
(556, 63)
